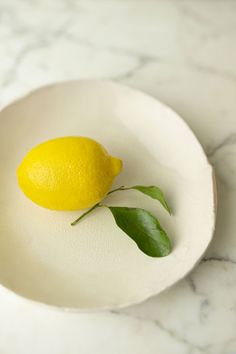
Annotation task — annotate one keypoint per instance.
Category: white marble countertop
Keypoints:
(184, 53)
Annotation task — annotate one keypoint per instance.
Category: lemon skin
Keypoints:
(68, 173)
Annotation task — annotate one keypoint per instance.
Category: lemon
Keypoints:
(68, 173)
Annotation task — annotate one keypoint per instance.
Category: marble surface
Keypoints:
(184, 53)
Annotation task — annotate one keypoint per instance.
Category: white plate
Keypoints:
(95, 265)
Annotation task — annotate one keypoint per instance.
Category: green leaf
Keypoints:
(155, 193)
(144, 229)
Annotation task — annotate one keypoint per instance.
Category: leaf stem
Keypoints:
(121, 188)
(86, 213)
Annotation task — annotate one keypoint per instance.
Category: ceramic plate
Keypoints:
(95, 265)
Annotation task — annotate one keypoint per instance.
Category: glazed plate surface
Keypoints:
(94, 265)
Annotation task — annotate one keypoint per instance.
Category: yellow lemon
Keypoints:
(68, 173)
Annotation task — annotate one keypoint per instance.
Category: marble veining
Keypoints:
(184, 53)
